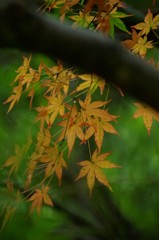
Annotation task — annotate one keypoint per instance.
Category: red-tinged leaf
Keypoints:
(131, 42)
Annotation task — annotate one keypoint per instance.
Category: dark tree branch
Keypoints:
(24, 29)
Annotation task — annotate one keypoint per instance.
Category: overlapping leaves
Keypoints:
(68, 112)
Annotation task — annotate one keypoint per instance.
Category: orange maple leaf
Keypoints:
(89, 108)
(147, 113)
(103, 126)
(40, 196)
(131, 42)
(97, 127)
(54, 162)
(72, 129)
(149, 23)
(93, 169)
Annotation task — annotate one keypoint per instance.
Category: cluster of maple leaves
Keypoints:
(68, 111)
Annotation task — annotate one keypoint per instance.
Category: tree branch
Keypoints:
(24, 29)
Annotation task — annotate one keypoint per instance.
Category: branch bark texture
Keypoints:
(25, 29)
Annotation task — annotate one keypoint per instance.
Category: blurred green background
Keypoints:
(129, 212)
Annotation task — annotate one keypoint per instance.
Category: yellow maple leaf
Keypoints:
(14, 98)
(55, 106)
(92, 82)
(93, 169)
(43, 116)
(14, 161)
(40, 196)
(147, 113)
(141, 46)
(89, 108)
(150, 23)
(82, 19)
(22, 70)
(55, 166)
(59, 79)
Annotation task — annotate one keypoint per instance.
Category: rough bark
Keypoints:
(23, 28)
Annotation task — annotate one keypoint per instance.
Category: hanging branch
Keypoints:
(22, 28)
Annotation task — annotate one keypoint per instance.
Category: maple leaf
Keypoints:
(149, 23)
(14, 161)
(43, 116)
(10, 211)
(89, 108)
(55, 106)
(14, 98)
(141, 46)
(54, 162)
(59, 80)
(22, 70)
(31, 96)
(82, 19)
(92, 82)
(101, 126)
(74, 131)
(147, 113)
(97, 127)
(93, 169)
(28, 78)
(40, 196)
(72, 127)
(131, 42)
